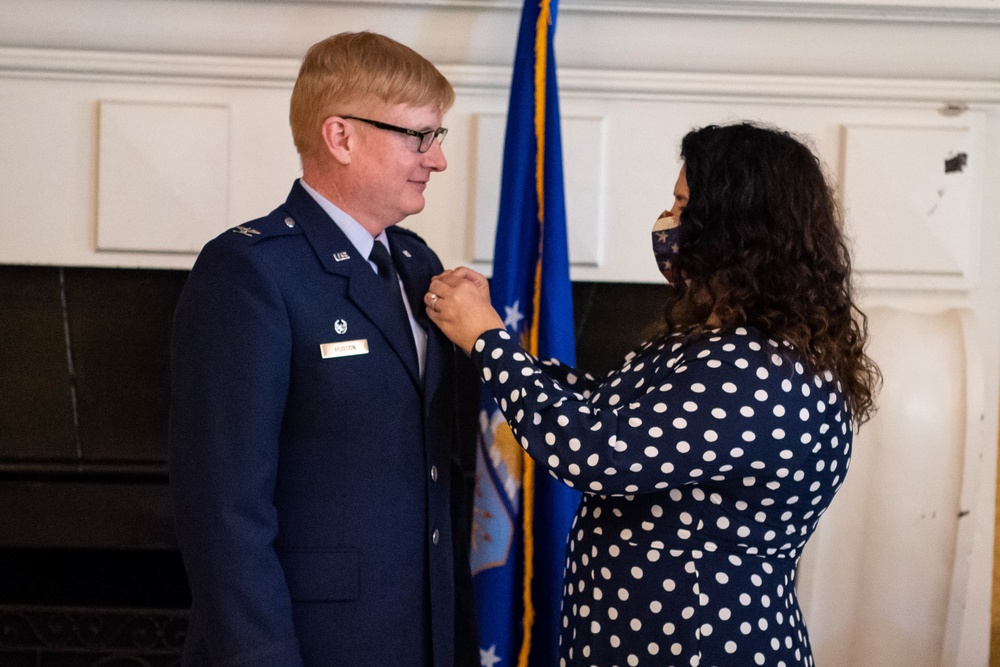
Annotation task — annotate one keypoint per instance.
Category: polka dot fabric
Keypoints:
(705, 466)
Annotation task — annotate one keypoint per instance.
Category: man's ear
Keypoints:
(338, 138)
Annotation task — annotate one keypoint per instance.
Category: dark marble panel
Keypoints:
(100, 513)
(36, 407)
(93, 578)
(611, 319)
(120, 324)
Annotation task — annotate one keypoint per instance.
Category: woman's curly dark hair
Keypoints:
(762, 244)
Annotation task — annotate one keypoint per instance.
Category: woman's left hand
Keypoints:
(458, 302)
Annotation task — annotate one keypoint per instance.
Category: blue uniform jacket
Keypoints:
(316, 499)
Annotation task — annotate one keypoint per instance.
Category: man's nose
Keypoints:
(434, 157)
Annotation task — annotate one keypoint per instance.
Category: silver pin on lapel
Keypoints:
(341, 256)
(406, 253)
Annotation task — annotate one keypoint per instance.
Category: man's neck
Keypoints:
(336, 196)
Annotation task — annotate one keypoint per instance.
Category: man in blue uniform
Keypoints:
(319, 474)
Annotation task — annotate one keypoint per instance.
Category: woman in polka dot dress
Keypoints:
(706, 460)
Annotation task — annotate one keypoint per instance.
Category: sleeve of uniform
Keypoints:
(704, 418)
(230, 373)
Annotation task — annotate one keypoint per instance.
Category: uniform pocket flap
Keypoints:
(321, 575)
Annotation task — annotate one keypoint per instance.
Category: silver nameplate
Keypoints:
(347, 348)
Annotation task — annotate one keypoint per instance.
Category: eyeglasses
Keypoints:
(426, 138)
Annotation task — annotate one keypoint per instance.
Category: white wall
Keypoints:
(133, 130)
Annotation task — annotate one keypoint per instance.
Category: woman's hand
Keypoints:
(458, 302)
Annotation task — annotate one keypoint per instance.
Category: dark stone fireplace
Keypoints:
(89, 571)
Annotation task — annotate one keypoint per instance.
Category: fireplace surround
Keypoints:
(92, 575)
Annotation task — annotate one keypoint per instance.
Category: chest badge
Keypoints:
(340, 326)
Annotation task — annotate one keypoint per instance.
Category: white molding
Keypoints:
(259, 72)
(911, 11)
(256, 72)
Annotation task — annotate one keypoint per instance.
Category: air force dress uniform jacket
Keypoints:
(319, 495)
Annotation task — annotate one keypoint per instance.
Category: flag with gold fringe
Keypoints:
(522, 519)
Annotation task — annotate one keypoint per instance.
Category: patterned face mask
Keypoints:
(666, 236)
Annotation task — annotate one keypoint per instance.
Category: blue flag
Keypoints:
(522, 520)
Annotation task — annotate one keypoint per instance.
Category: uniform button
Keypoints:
(435, 536)
(434, 473)
(289, 222)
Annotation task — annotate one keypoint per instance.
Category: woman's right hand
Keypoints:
(458, 302)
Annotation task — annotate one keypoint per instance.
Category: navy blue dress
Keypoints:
(704, 465)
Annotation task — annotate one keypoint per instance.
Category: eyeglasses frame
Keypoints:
(438, 134)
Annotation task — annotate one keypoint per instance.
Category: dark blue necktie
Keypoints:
(387, 272)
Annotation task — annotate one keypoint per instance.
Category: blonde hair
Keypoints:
(350, 72)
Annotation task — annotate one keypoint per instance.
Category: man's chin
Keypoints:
(414, 207)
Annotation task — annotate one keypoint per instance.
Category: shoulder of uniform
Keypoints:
(407, 232)
(411, 244)
(277, 223)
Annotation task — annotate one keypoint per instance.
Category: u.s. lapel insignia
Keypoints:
(246, 231)
(340, 256)
(340, 326)
(406, 253)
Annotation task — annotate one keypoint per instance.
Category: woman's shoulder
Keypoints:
(742, 340)
(746, 347)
